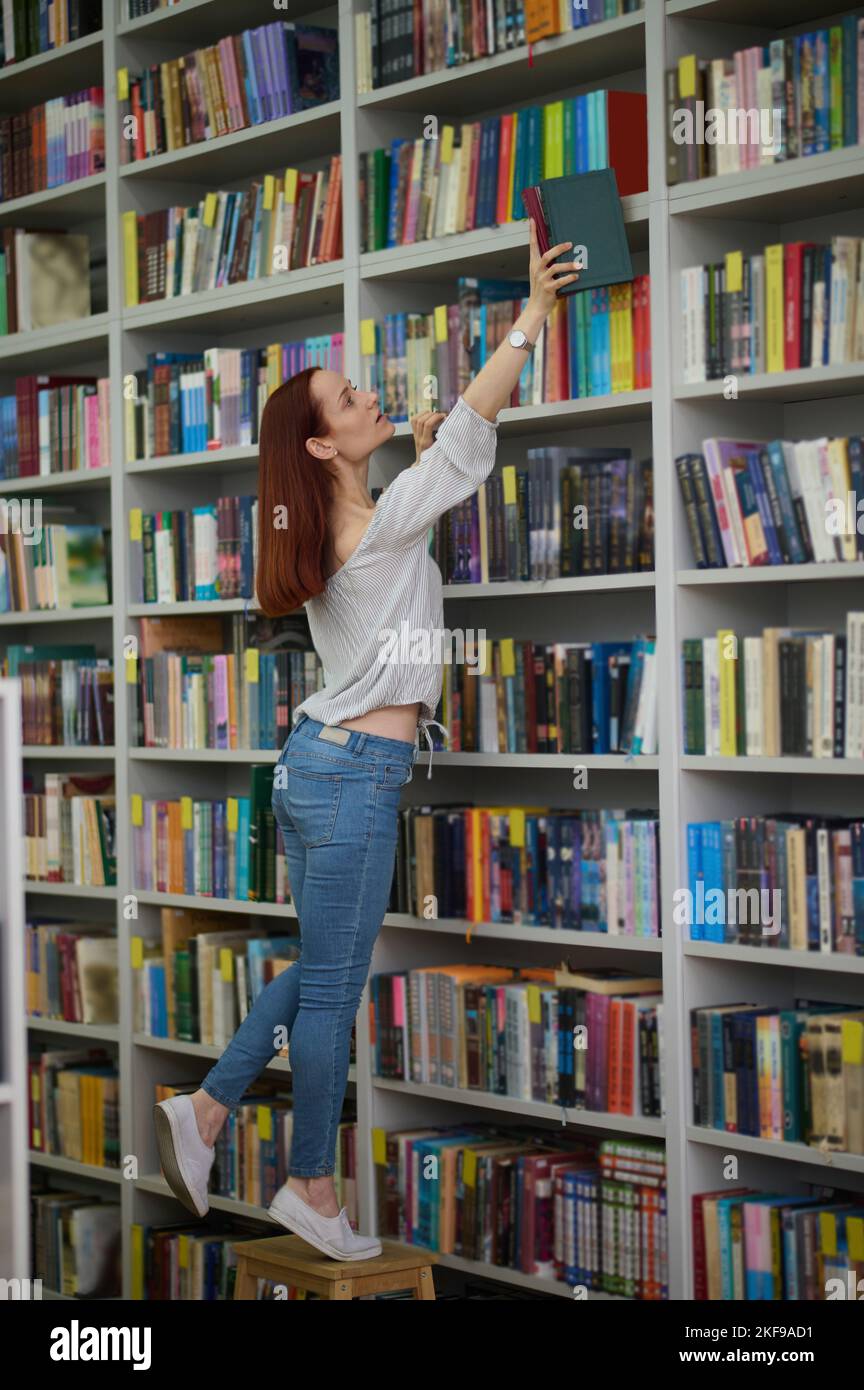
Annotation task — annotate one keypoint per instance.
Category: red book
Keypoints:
(627, 138)
(502, 210)
(700, 1269)
(793, 263)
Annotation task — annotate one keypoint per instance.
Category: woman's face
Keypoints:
(354, 424)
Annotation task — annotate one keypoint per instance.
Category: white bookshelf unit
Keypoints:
(668, 228)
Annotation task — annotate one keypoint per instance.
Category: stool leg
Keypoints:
(244, 1286)
(425, 1287)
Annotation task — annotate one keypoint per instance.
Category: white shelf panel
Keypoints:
(773, 1148)
(204, 755)
(78, 478)
(56, 615)
(230, 456)
(189, 608)
(199, 21)
(72, 1166)
(97, 1032)
(58, 347)
(585, 1119)
(479, 1269)
(159, 1187)
(803, 384)
(312, 290)
(463, 253)
(830, 961)
(514, 421)
(534, 588)
(278, 910)
(73, 65)
(34, 750)
(594, 762)
(69, 890)
(595, 51)
(772, 574)
(510, 931)
(244, 153)
(76, 201)
(809, 767)
(777, 192)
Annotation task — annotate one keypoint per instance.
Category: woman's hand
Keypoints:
(424, 426)
(546, 278)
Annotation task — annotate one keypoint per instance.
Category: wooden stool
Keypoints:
(290, 1260)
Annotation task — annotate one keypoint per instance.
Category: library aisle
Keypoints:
(610, 1047)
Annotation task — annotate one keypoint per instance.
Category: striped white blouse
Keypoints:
(368, 625)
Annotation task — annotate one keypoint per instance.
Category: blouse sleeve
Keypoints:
(451, 469)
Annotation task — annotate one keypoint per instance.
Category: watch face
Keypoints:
(517, 338)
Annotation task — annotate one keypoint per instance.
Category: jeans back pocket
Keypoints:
(311, 799)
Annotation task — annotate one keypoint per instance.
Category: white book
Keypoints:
(807, 458)
(164, 552)
(844, 277)
(817, 331)
(757, 312)
(765, 102)
(753, 695)
(841, 485)
(858, 332)
(854, 743)
(646, 713)
(823, 869)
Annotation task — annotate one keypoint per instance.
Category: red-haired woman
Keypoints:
(364, 573)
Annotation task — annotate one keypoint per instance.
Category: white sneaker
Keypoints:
(332, 1235)
(186, 1160)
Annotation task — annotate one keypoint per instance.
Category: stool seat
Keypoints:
(291, 1260)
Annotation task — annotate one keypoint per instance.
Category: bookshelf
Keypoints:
(668, 228)
(15, 1219)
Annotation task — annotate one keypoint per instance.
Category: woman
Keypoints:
(363, 571)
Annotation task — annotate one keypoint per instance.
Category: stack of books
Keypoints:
(74, 1105)
(205, 553)
(55, 424)
(67, 694)
(54, 564)
(278, 224)
(792, 97)
(784, 502)
(52, 144)
(244, 80)
(420, 188)
(799, 304)
(794, 1075)
(71, 971)
(44, 279)
(28, 30)
(70, 829)
(793, 692)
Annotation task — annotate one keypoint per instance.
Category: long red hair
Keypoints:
(292, 542)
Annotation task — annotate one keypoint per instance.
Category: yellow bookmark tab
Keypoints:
(687, 76)
(853, 1042)
(183, 1252)
(211, 204)
(440, 323)
(508, 473)
(136, 524)
(469, 1168)
(517, 827)
(508, 657)
(131, 670)
(534, 1004)
(734, 272)
(855, 1237)
(233, 815)
(122, 84)
(226, 964)
(828, 1232)
(447, 136)
(367, 337)
(265, 1122)
(269, 192)
(253, 666)
(136, 952)
(379, 1146)
(186, 813)
(137, 807)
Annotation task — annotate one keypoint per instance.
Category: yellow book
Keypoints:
(130, 258)
(553, 140)
(628, 367)
(137, 1261)
(477, 863)
(482, 529)
(727, 664)
(775, 360)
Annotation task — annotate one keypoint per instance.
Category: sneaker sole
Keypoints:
(296, 1228)
(170, 1162)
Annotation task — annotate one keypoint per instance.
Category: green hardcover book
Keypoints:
(584, 209)
(792, 1025)
(261, 806)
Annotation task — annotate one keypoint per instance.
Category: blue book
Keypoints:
(249, 79)
(244, 814)
(695, 876)
(580, 105)
(821, 93)
(754, 469)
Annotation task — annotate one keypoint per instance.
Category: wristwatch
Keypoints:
(518, 339)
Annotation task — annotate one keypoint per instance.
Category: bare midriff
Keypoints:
(391, 721)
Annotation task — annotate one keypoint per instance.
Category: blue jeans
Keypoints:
(338, 811)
